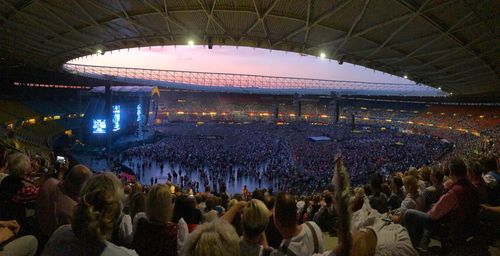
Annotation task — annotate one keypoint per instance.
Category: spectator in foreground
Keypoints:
(216, 238)
(56, 200)
(156, 234)
(397, 195)
(459, 204)
(305, 239)
(378, 200)
(93, 221)
(255, 219)
(431, 194)
(410, 201)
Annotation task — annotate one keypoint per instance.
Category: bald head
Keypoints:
(285, 208)
(75, 178)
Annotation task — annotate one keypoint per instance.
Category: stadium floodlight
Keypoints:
(322, 55)
(190, 42)
(405, 77)
(439, 88)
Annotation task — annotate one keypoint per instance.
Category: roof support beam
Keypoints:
(308, 20)
(394, 33)
(166, 16)
(50, 10)
(214, 19)
(165, 8)
(260, 19)
(447, 32)
(97, 24)
(494, 50)
(130, 23)
(314, 23)
(450, 52)
(353, 26)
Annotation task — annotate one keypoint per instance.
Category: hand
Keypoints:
(5, 234)
(11, 224)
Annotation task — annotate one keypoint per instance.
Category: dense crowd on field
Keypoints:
(283, 155)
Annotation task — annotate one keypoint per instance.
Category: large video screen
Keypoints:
(99, 126)
(116, 118)
(139, 113)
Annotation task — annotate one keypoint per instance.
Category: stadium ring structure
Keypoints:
(450, 45)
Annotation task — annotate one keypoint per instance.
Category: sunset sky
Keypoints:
(242, 60)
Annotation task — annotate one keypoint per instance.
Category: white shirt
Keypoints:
(303, 243)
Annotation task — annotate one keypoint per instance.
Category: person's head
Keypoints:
(270, 202)
(425, 173)
(328, 199)
(285, 209)
(99, 207)
(457, 168)
(490, 164)
(359, 193)
(364, 243)
(396, 183)
(413, 172)
(182, 208)
(474, 169)
(216, 238)
(255, 218)
(376, 185)
(137, 187)
(159, 204)
(75, 178)
(208, 189)
(258, 194)
(437, 176)
(210, 203)
(367, 189)
(137, 203)
(19, 165)
(411, 184)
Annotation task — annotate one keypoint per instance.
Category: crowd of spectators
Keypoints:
(283, 156)
(85, 213)
(393, 208)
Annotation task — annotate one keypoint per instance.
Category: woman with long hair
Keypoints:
(93, 220)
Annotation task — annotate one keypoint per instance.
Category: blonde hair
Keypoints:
(159, 204)
(99, 208)
(216, 238)
(359, 192)
(255, 218)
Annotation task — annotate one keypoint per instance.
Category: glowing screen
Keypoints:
(99, 126)
(116, 118)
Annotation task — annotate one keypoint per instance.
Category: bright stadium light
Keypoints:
(322, 55)
(190, 42)
(406, 77)
(439, 88)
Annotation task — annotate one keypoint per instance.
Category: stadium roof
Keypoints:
(448, 44)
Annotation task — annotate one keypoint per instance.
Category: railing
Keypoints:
(250, 82)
